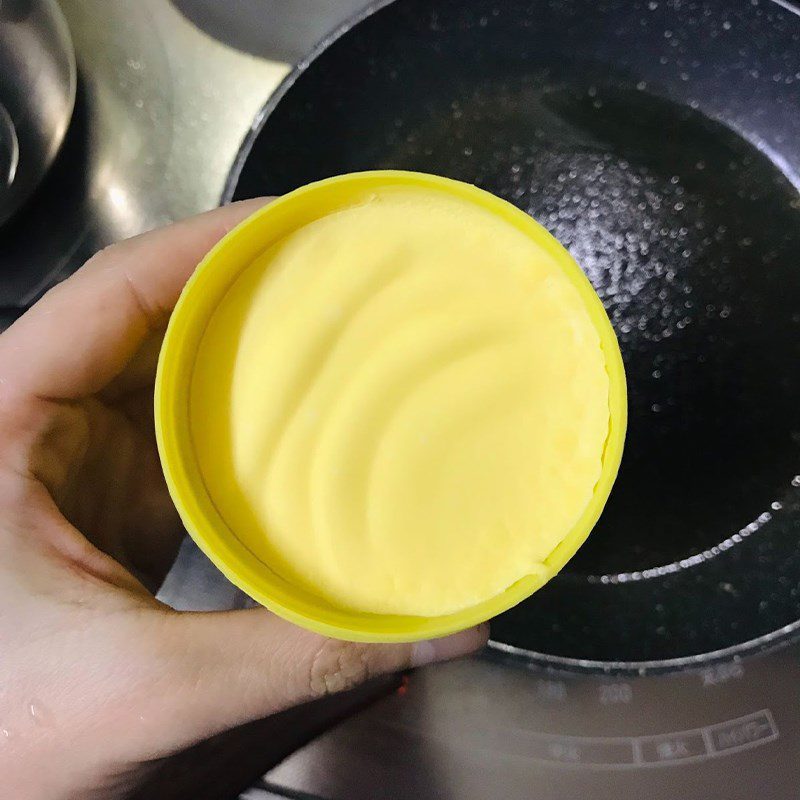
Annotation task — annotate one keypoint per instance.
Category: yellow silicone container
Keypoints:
(229, 549)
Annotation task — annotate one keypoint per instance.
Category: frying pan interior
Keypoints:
(660, 142)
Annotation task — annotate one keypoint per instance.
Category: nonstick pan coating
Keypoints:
(660, 142)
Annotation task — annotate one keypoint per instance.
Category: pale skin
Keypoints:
(97, 677)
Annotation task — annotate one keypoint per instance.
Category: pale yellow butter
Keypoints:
(401, 406)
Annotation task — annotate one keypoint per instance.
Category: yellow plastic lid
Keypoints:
(201, 297)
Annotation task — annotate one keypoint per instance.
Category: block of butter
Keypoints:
(390, 398)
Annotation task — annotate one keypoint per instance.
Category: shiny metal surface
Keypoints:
(9, 149)
(37, 94)
(160, 112)
(284, 29)
(168, 106)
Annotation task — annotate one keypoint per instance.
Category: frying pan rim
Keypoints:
(766, 643)
(769, 642)
(283, 87)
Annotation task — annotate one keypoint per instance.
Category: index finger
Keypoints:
(82, 334)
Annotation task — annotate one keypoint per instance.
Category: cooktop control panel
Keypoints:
(497, 727)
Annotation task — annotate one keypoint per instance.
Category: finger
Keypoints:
(243, 665)
(140, 371)
(84, 332)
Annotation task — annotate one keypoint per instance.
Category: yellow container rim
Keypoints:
(212, 278)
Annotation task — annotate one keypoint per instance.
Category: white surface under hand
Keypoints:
(195, 584)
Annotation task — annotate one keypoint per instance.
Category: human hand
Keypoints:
(97, 676)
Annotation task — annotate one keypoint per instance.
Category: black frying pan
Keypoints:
(660, 142)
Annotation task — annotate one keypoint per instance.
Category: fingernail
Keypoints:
(449, 647)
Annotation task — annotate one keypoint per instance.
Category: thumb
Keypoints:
(237, 666)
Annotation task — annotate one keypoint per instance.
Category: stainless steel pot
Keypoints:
(37, 95)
